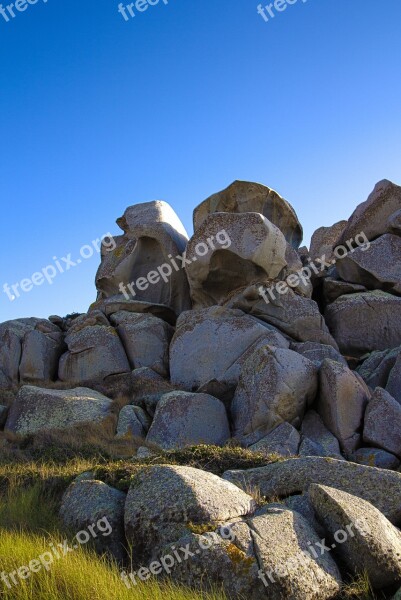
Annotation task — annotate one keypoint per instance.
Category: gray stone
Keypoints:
(148, 388)
(3, 415)
(283, 440)
(245, 196)
(194, 496)
(375, 457)
(377, 267)
(91, 503)
(323, 240)
(293, 476)
(362, 323)
(382, 426)
(333, 289)
(282, 540)
(36, 409)
(342, 401)
(317, 352)
(146, 340)
(276, 385)
(132, 420)
(372, 216)
(302, 505)
(376, 368)
(211, 344)
(315, 430)
(186, 419)
(394, 380)
(370, 543)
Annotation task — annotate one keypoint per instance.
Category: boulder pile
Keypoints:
(237, 336)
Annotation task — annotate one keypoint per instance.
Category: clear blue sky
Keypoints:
(98, 113)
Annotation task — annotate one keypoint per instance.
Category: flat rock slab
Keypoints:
(380, 487)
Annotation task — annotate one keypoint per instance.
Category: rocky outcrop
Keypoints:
(284, 440)
(382, 427)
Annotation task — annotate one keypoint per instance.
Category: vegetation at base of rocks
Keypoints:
(360, 589)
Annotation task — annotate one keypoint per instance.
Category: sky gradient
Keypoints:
(98, 113)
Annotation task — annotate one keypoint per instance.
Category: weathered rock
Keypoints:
(3, 415)
(284, 440)
(146, 340)
(342, 401)
(382, 426)
(315, 430)
(333, 289)
(96, 508)
(394, 380)
(302, 505)
(364, 538)
(292, 314)
(29, 351)
(251, 249)
(194, 496)
(282, 540)
(244, 196)
(375, 369)
(275, 385)
(186, 419)
(94, 353)
(134, 421)
(309, 448)
(36, 409)
(373, 217)
(118, 303)
(375, 457)
(317, 352)
(323, 240)
(196, 355)
(361, 323)
(293, 476)
(377, 267)
(394, 223)
(153, 237)
(148, 388)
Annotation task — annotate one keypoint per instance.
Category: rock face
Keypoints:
(376, 268)
(380, 487)
(252, 249)
(375, 457)
(375, 370)
(314, 430)
(394, 380)
(36, 409)
(134, 421)
(146, 340)
(284, 441)
(362, 323)
(276, 385)
(368, 541)
(140, 266)
(92, 504)
(244, 196)
(186, 419)
(375, 216)
(382, 426)
(324, 239)
(195, 356)
(343, 398)
(194, 497)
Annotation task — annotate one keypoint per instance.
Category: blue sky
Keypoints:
(98, 113)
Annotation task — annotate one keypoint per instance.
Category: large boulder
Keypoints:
(275, 385)
(362, 323)
(133, 421)
(36, 409)
(394, 380)
(323, 241)
(211, 344)
(382, 427)
(314, 430)
(376, 368)
(244, 196)
(374, 216)
(95, 352)
(29, 351)
(376, 268)
(141, 265)
(194, 497)
(364, 538)
(342, 401)
(283, 539)
(294, 315)
(90, 505)
(146, 340)
(283, 440)
(334, 288)
(186, 419)
(317, 352)
(292, 476)
(251, 249)
(375, 457)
